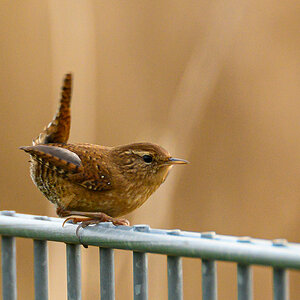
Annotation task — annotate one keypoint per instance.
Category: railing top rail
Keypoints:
(208, 245)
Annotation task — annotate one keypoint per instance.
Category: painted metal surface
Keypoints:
(175, 288)
(73, 272)
(107, 274)
(244, 280)
(40, 270)
(280, 284)
(141, 239)
(140, 276)
(209, 280)
(8, 259)
(180, 243)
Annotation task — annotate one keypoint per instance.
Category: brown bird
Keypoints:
(96, 183)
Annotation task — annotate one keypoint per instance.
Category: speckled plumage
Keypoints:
(91, 178)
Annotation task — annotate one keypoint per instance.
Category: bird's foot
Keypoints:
(77, 220)
(91, 218)
(97, 217)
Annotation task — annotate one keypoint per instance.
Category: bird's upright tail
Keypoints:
(59, 128)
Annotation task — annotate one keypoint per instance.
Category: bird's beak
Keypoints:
(176, 161)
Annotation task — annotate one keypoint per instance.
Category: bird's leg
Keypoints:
(89, 217)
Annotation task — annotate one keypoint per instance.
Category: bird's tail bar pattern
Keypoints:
(59, 128)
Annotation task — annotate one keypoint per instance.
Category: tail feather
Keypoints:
(59, 128)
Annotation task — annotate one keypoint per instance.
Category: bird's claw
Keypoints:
(123, 222)
(74, 221)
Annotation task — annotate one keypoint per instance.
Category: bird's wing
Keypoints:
(90, 174)
(55, 157)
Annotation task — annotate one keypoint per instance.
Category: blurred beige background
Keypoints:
(214, 82)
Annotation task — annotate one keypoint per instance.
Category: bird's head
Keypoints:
(144, 162)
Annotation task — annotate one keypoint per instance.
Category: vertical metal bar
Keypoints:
(140, 276)
(107, 274)
(40, 270)
(74, 272)
(244, 280)
(280, 284)
(209, 280)
(9, 278)
(175, 278)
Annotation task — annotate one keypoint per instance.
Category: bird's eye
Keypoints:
(147, 158)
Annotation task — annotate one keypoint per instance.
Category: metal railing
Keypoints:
(141, 239)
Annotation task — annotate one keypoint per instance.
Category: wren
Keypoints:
(95, 183)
